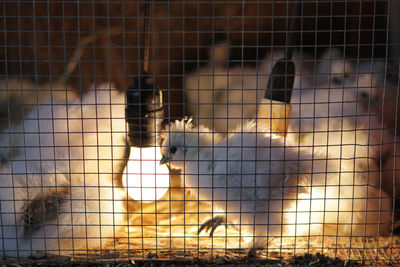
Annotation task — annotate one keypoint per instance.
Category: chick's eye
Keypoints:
(337, 80)
(172, 150)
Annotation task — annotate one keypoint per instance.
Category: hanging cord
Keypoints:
(145, 39)
(144, 111)
(280, 84)
(292, 29)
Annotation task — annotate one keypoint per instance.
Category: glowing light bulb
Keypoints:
(144, 178)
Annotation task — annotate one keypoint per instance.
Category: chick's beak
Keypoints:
(164, 160)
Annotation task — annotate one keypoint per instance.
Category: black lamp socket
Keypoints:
(144, 112)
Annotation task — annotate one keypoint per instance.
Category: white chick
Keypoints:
(382, 98)
(336, 120)
(56, 190)
(260, 183)
(245, 175)
(220, 98)
(214, 93)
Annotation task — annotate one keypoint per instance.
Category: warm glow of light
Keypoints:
(247, 239)
(301, 216)
(306, 215)
(144, 177)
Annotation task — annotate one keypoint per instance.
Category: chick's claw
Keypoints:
(212, 224)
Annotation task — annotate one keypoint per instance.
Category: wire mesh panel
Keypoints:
(150, 130)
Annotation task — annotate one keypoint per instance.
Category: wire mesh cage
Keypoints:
(199, 131)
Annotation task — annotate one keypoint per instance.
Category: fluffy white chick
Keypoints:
(56, 189)
(270, 189)
(381, 96)
(335, 119)
(220, 98)
(247, 175)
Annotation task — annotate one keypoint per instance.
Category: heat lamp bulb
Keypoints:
(144, 178)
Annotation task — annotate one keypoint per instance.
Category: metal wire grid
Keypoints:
(75, 51)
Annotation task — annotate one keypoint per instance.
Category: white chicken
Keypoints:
(57, 190)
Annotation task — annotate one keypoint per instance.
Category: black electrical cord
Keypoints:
(293, 27)
(144, 36)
